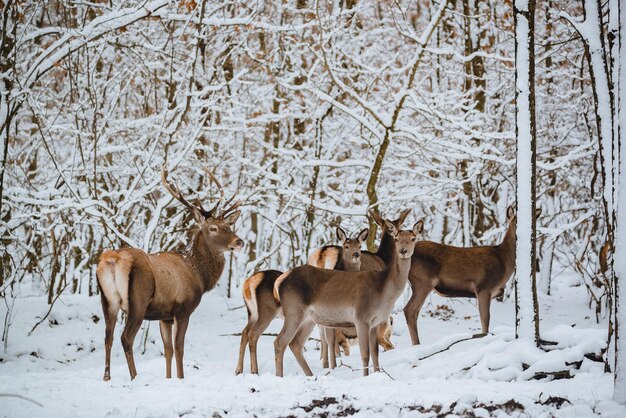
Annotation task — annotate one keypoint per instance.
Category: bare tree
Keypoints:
(619, 392)
(526, 304)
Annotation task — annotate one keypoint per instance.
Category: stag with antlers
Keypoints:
(166, 286)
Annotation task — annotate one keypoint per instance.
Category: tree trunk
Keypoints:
(372, 193)
(526, 305)
(619, 393)
(7, 107)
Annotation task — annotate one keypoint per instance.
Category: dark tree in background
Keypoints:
(526, 304)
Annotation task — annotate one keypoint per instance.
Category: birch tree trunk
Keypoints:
(619, 393)
(526, 306)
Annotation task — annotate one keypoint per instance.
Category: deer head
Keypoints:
(511, 216)
(216, 223)
(352, 246)
(405, 240)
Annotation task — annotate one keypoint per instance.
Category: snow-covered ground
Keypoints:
(58, 369)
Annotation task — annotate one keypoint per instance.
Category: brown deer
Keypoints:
(475, 272)
(346, 257)
(262, 307)
(165, 286)
(334, 298)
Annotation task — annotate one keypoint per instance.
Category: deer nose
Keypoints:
(403, 251)
(239, 242)
(356, 255)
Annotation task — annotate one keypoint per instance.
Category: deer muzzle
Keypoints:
(237, 245)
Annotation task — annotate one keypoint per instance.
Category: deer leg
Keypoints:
(110, 318)
(242, 349)
(254, 332)
(133, 323)
(324, 347)
(330, 340)
(344, 343)
(362, 333)
(373, 341)
(140, 290)
(181, 324)
(341, 341)
(484, 305)
(383, 335)
(253, 336)
(412, 310)
(297, 345)
(168, 349)
(286, 334)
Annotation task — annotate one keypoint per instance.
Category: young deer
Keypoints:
(476, 272)
(334, 298)
(346, 257)
(165, 286)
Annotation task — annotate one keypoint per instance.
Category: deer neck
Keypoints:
(387, 248)
(397, 273)
(207, 261)
(507, 246)
(349, 265)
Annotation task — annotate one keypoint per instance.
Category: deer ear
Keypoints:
(377, 218)
(398, 222)
(418, 228)
(341, 234)
(537, 212)
(232, 218)
(363, 235)
(391, 228)
(510, 212)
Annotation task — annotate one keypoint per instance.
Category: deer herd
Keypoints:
(348, 293)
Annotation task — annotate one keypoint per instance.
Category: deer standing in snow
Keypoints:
(347, 257)
(334, 298)
(262, 307)
(165, 286)
(474, 272)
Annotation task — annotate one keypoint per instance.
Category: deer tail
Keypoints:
(249, 294)
(113, 277)
(278, 282)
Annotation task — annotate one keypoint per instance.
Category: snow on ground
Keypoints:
(59, 367)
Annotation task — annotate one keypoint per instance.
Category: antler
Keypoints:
(173, 190)
(220, 188)
(226, 210)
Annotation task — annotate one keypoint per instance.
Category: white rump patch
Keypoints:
(113, 271)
